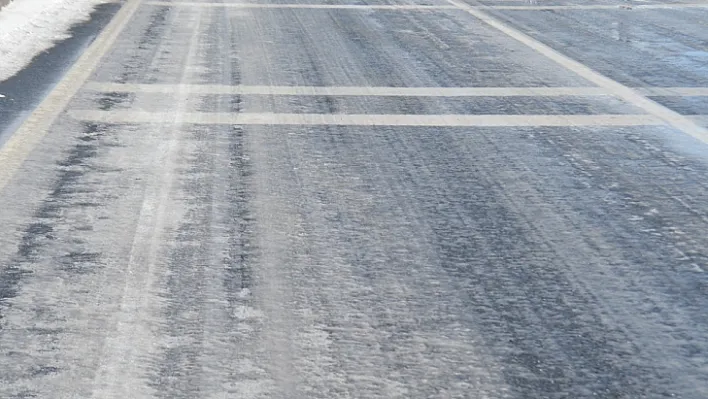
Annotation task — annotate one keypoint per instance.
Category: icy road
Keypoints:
(361, 199)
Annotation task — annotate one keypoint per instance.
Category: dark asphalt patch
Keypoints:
(37, 236)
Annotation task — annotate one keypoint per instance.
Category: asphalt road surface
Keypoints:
(364, 199)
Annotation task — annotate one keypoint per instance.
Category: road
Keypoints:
(364, 199)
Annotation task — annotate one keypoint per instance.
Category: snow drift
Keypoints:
(29, 27)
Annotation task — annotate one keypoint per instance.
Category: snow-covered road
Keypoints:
(375, 199)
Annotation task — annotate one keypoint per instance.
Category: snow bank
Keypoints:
(28, 27)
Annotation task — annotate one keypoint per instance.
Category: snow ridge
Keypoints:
(29, 27)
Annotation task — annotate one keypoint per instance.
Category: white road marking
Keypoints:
(672, 5)
(700, 119)
(305, 6)
(222, 118)
(422, 7)
(673, 91)
(14, 152)
(595, 7)
(348, 90)
(617, 89)
(384, 91)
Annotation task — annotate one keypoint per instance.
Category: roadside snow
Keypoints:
(29, 27)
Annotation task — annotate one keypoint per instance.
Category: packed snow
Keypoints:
(29, 27)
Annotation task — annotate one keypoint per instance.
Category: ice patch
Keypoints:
(29, 27)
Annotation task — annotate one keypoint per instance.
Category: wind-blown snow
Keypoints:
(29, 27)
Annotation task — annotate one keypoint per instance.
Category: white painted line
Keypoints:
(674, 91)
(667, 6)
(421, 7)
(29, 134)
(303, 6)
(545, 8)
(594, 7)
(700, 119)
(348, 90)
(617, 89)
(129, 117)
